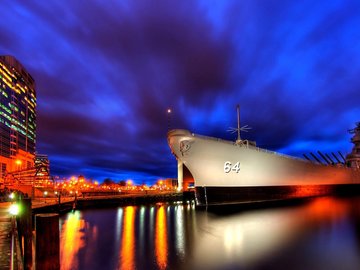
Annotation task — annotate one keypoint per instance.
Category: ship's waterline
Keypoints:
(260, 194)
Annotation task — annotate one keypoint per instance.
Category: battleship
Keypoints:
(228, 172)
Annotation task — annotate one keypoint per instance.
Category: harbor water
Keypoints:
(319, 233)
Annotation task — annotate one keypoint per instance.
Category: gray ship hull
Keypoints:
(225, 172)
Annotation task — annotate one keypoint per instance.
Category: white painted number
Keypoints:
(228, 167)
(236, 167)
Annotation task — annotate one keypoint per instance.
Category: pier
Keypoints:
(10, 256)
(12, 233)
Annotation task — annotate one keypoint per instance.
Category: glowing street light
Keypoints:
(14, 209)
(45, 194)
(18, 163)
(12, 196)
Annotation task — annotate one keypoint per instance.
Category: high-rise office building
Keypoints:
(17, 117)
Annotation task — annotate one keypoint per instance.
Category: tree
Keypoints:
(122, 183)
(108, 182)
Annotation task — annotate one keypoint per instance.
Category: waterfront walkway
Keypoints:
(5, 238)
(50, 204)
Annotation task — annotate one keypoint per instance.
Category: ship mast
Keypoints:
(238, 122)
(239, 128)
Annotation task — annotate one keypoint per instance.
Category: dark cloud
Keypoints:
(107, 72)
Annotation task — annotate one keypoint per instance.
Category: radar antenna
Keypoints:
(245, 128)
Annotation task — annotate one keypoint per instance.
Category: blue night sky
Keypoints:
(106, 72)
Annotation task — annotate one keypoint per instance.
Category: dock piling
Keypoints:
(26, 232)
(47, 251)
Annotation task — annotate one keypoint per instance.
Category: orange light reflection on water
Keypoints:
(72, 241)
(127, 243)
(161, 238)
(327, 209)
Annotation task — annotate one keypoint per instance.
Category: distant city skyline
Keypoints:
(106, 74)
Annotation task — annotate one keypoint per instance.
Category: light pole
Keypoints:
(14, 211)
(18, 163)
(45, 193)
(169, 118)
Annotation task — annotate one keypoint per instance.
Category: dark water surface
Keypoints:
(321, 233)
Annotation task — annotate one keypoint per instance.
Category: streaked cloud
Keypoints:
(107, 71)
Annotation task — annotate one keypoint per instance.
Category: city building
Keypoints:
(168, 183)
(17, 117)
(42, 170)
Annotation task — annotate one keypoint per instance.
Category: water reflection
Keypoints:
(179, 231)
(71, 240)
(161, 238)
(127, 247)
(253, 238)
(318, 234)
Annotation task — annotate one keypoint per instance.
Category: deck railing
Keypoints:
(252, 147)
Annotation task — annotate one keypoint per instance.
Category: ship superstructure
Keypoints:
(353, 159)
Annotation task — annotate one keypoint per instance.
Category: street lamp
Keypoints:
(169, 117)
(14, 209)
(12, 196)
(18, 163)
(45, 194)
(57, 195)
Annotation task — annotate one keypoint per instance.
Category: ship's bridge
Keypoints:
(353, 159)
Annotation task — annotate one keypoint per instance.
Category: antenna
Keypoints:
(238, 129)
(238, 120)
